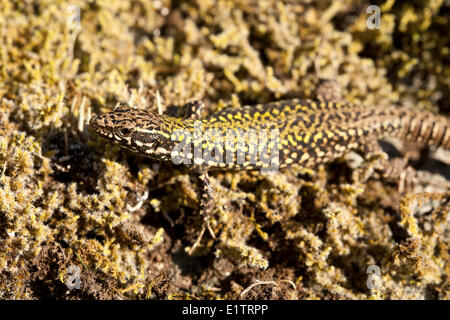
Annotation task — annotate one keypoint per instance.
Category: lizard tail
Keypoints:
(426, 128)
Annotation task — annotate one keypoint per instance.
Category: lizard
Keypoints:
(306, 133)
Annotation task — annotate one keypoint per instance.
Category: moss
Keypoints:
(71, 199)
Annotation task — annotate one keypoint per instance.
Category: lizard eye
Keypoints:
(125, 132)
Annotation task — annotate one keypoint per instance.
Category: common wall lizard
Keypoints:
(309, 132)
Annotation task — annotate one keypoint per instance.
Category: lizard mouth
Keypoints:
(96, 125)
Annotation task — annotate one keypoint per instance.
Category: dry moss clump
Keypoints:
(69, 199)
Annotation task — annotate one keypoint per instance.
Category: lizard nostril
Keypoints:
(93, 120)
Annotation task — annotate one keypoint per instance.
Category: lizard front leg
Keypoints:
(206, 202)
(193, 110)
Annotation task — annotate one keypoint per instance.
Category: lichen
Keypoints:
(128, 224)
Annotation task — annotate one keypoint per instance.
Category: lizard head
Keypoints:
(142, 131)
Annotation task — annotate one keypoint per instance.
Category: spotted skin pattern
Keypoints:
(309, 132)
